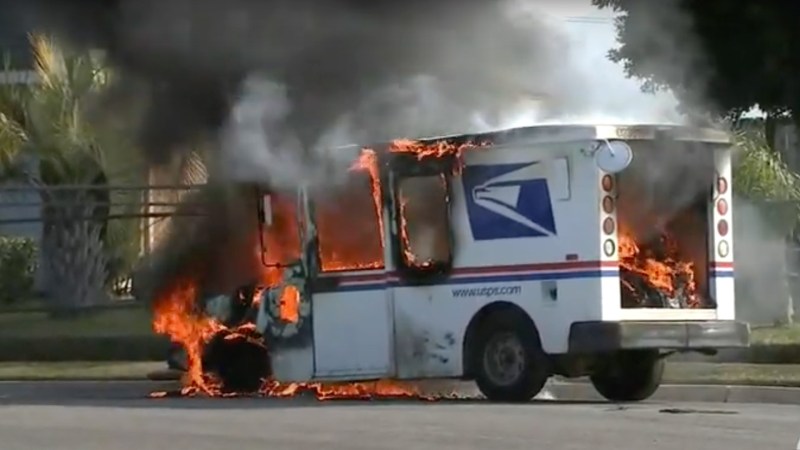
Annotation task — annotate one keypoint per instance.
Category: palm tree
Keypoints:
(48, 141)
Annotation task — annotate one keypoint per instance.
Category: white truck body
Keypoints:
(526, 222)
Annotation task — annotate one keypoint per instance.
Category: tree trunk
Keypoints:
(770, 130)
(76, 263)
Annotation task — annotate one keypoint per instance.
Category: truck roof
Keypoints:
(536, 134)
(558, 133)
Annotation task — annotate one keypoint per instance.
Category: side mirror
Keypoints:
(613, 156)
(266, 210)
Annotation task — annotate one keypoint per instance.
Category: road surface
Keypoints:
(101, 416)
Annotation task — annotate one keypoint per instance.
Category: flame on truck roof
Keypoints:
(549, 134)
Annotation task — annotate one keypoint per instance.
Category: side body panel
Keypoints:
(525, 223)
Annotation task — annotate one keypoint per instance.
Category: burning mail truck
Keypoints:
(506, 258)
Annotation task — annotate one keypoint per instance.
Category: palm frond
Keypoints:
(48, 60)
(13, 133)
(760, 172)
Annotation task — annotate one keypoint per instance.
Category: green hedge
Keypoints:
(84, 348)
(17, 269)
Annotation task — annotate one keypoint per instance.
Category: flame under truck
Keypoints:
(572, 250)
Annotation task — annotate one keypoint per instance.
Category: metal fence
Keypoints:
(142, 211)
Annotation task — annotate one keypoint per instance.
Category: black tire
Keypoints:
(629, 376)
(240, 306)
(511, 336)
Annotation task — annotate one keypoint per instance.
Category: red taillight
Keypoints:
(608, 225)
(722, 185)
(608, 204)
(607, 183)
(722, 227)
(722, 207)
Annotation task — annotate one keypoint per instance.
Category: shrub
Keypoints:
(17, 269)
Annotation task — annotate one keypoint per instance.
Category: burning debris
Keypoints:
(654, 275)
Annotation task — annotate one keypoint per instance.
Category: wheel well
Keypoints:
(475, 325)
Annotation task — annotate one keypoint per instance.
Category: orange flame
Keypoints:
(660, 273)
(368, 161)
(175, 315)
(281, 239)
(437, 149)
(290, 304)
(327, 391)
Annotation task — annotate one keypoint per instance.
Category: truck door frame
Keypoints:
(416, 290)
(401, 167)
(341, 319)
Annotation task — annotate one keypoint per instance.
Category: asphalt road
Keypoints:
(89, 416)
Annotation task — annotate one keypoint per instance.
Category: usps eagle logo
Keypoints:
(509, 201)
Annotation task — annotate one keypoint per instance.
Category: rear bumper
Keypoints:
(594, 337)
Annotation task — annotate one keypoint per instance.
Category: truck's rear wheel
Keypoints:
(629, 376)
(510, 365)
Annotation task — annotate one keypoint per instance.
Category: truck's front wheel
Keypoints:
(629, 376)
(510, 363)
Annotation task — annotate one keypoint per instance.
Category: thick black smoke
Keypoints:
(276, 83)
(342, 69)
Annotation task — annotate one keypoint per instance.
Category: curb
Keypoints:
(754, 354)
(685, 393)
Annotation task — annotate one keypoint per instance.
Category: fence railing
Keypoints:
(149, 207)
(145, 208)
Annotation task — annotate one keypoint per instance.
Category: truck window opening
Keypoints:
(663, 227)
(424, 228)
(348, 227)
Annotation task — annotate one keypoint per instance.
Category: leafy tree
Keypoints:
(734, 54)
(46, 140)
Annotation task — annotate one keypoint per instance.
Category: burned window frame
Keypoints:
(406, 167)
(301, 227)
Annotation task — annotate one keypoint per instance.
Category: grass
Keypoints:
(781, 335)
(734, 374)
(129, 321)
(115, 334)
(77, 370)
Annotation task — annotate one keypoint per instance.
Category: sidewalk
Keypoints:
(581, 391)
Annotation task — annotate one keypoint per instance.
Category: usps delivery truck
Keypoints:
(575, 250)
